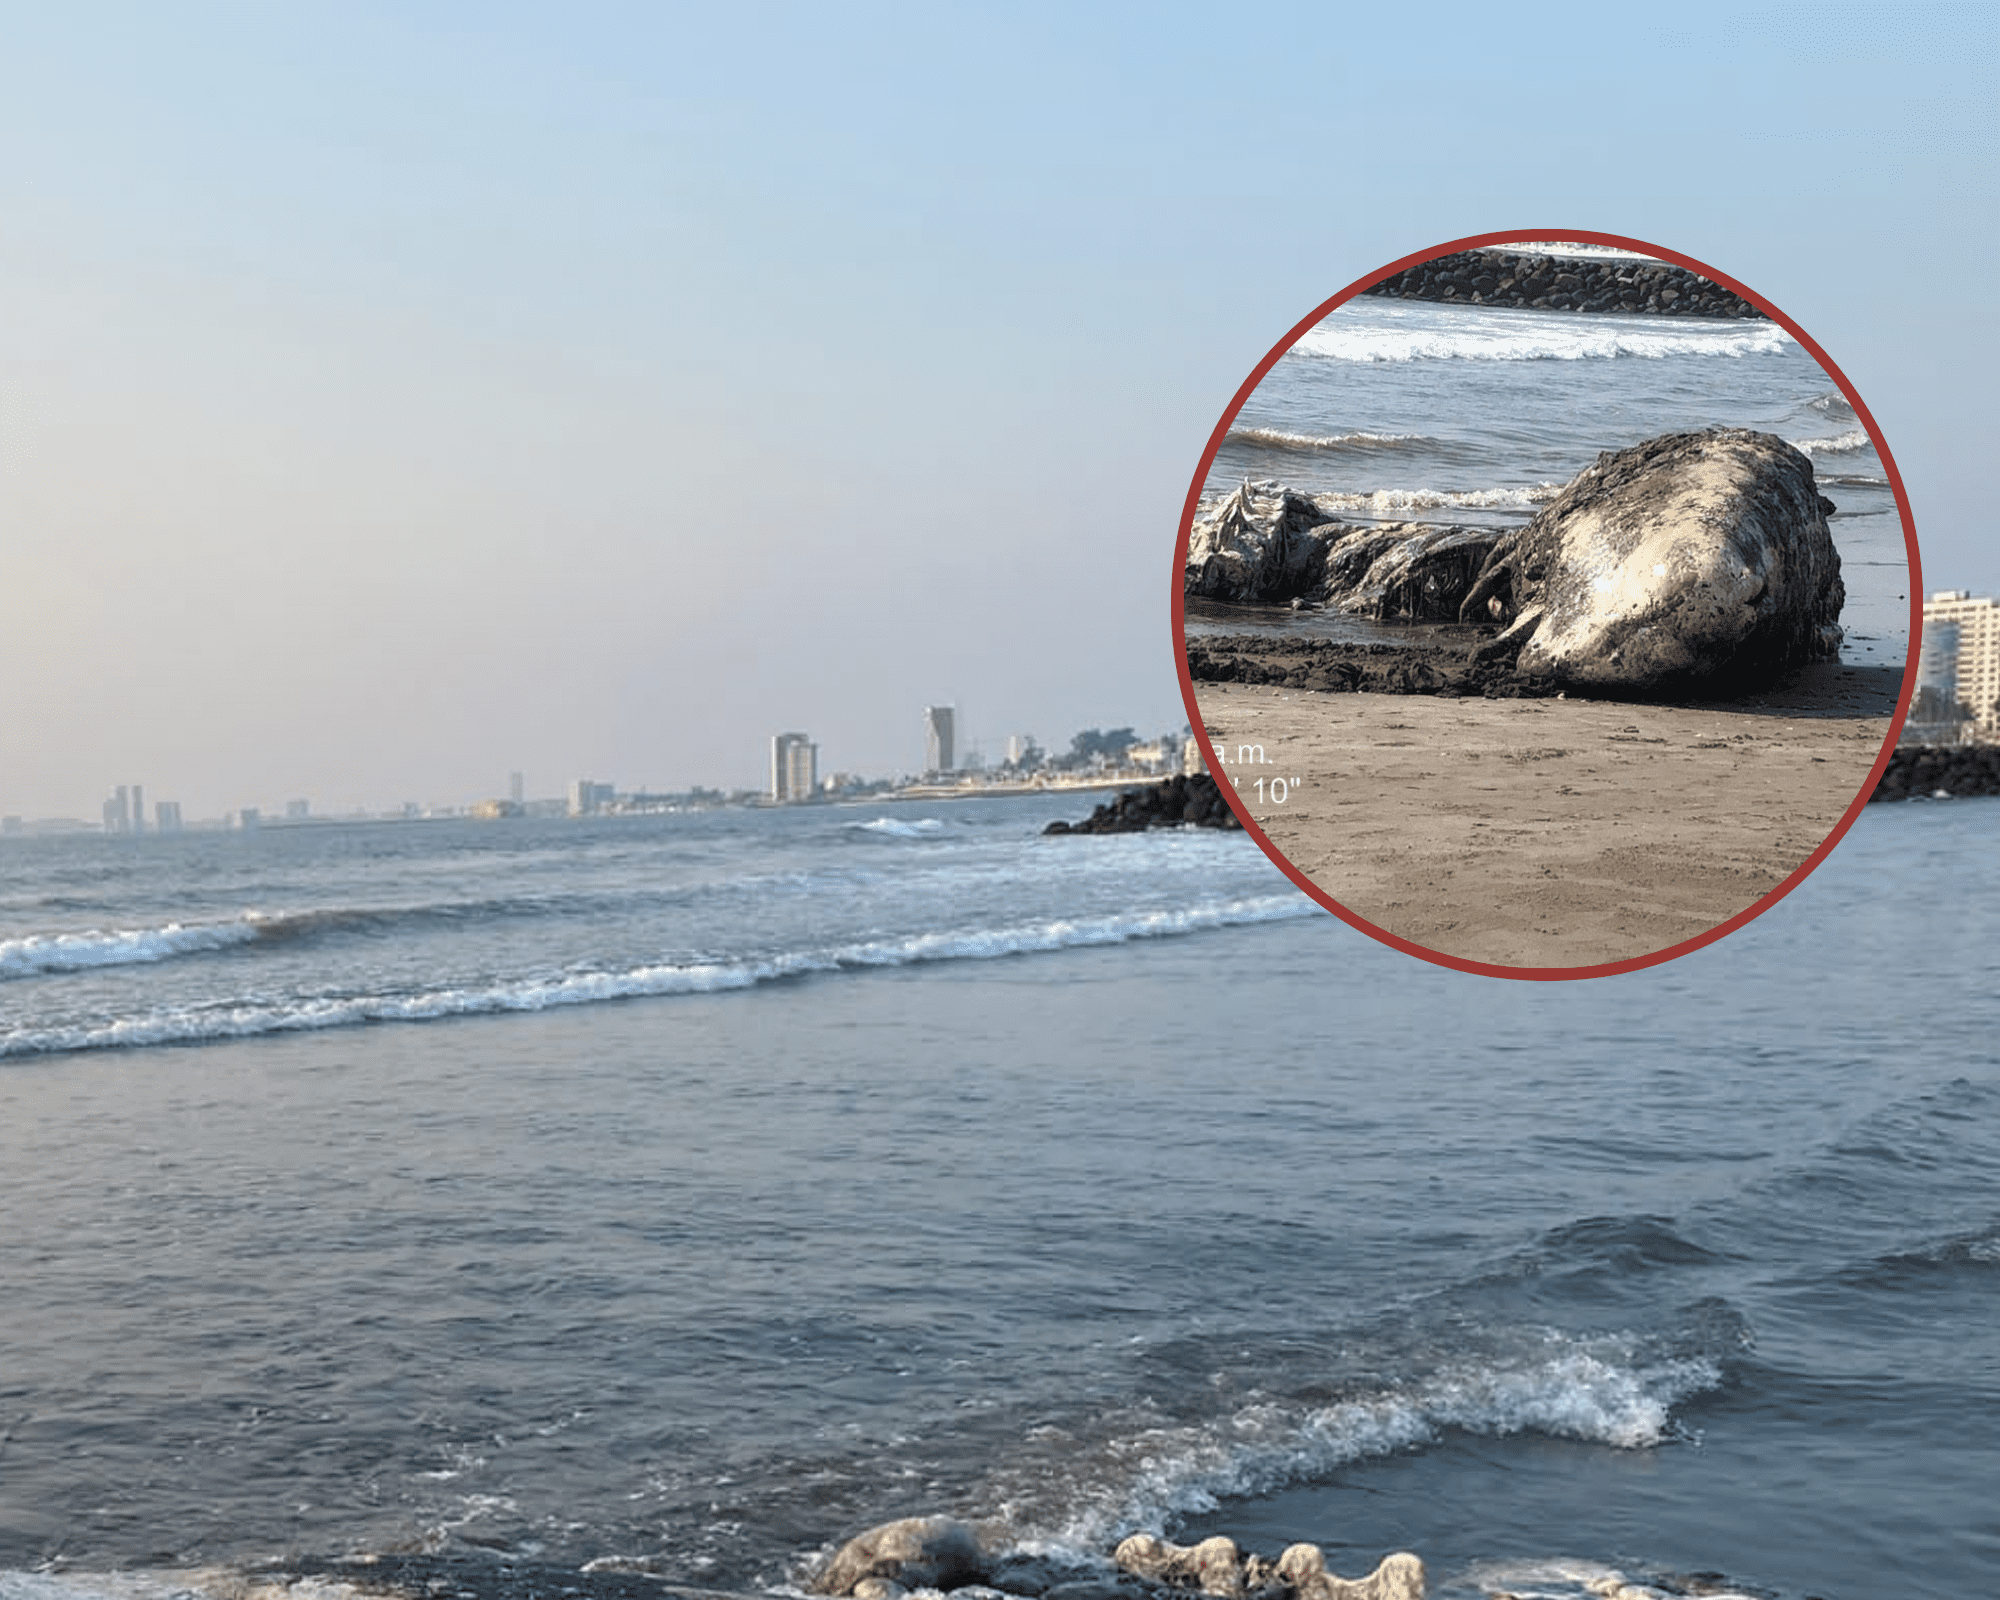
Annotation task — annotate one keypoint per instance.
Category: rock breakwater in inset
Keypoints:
(1534, 280)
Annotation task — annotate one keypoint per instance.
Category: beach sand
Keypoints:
(1550, 832)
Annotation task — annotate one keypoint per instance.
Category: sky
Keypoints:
(393, 398)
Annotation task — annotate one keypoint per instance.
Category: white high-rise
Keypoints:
(1960, 656)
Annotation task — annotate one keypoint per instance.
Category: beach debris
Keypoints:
(897, 1558)
(1692, 559)
(1257, 544)
(1216, 1566)
(1266, 542)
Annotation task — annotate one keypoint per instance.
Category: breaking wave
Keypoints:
(1534, 336)
(250, 1019)
(1387, 500)
(1359, 443)
(896, 827)
(1839, 444)
(73, 952)
(1603, 1389)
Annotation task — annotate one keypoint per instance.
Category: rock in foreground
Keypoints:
(1179, 801)
(1692, 559)
(1217, 1567)
(895, 1558)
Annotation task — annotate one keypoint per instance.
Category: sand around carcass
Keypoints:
(1549, 832)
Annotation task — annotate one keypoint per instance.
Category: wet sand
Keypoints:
(1550, 832)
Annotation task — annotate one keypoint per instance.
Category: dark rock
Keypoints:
(1172, 803)
(1925, 771)
(1516, 278)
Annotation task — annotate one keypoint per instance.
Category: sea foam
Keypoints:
(251, 1019)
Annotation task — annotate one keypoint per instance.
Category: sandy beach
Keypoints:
(1549, 832)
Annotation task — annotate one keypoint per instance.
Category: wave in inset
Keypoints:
(1500, 336)
(1383, 501)
(250, 1019)
(1356, 443)
(1839, 444)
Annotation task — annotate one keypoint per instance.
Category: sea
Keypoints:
(1395, 410)
(672, 1197)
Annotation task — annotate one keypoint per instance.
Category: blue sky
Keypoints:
(394, 397)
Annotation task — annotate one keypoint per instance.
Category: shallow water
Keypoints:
(1401, 410)
(1256, 1226)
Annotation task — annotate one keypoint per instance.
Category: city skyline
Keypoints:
(511, 426)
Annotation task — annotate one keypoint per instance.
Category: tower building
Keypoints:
(939, 751)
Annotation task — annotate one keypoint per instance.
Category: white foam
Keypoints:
(1324, 441)
(1589, 1390)
(1840, 443)
(177, 1025)
(1503, 335)
(922, 828)
(1394, 500)
(72, 952)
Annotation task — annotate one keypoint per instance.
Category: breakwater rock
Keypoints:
(1172, 803)
(1540, 282)
(1919, 771)
(1694, 558)
(892, 1560)
(1265, 542)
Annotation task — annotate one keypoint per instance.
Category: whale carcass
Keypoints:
(1697, 559)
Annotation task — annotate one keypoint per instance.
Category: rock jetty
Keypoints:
(1185, 798)
(1692, 558)
(1540, 282)
(1920, 771)
(892, 1560)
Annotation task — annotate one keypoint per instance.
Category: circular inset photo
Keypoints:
(1546, 605)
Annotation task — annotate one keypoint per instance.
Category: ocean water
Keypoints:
(1403, 410)
(692, 1192)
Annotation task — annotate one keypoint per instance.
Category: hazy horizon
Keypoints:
(393, 401)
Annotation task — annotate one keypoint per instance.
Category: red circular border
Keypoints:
(1179, 609)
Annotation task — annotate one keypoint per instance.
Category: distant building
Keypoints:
(138, 808)
(167, 816)
(1958, 663)
(794, 768)
(586, 798)
(117, 811)
(939, 749)
(516, 786)
(297, 810)
(248, 818)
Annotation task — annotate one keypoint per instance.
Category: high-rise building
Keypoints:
(117, 811)
(586, 798)
(794, 768)
(167, 816)
(138, 808)
(1959, 658)
(938, 745)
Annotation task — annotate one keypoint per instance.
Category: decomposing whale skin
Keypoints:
(1694, 558)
